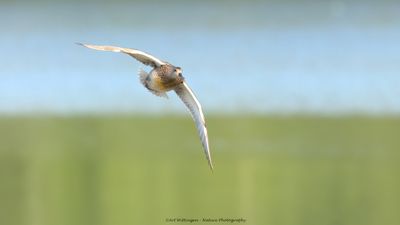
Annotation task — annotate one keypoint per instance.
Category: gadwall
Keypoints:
(163, 78)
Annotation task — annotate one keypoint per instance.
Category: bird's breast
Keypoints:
(161, 82)
(155, 82)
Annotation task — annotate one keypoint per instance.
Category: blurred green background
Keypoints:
(301, 100)
(134, 170)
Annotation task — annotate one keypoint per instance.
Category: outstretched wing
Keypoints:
(191, 102)
(143, 57)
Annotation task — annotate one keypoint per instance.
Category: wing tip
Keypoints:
(84, 45)
(210, 163)
(211, 167)
(81, 44)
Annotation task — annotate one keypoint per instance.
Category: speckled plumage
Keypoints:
(167, 79)
(163, 78)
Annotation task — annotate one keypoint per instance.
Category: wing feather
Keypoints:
(187, 96)
(143, 57)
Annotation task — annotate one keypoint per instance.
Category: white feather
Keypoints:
(141, 56)
(187, 96)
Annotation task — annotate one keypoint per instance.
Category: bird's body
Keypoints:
(163, 78)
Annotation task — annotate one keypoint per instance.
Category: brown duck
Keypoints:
(163, 78)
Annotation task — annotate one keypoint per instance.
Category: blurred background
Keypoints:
(301, 100)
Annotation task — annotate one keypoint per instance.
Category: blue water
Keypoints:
(322, 58)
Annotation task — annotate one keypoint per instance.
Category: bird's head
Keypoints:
(178, 74)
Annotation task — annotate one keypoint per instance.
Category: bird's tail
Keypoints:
(143, 76)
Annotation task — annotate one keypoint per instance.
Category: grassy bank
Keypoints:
(143, 170)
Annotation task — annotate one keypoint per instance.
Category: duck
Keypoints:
(165, 77)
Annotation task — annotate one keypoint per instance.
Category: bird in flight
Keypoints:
(163, 78)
